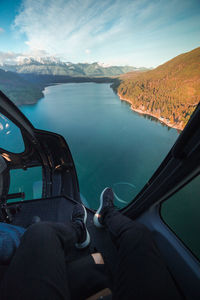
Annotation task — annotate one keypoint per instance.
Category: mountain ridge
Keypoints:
(170, 92)
(53, 66)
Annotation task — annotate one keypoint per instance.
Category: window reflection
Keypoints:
(27, 181)
(10, 136)
(181, 213)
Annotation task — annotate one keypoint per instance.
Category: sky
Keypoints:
(140, 33)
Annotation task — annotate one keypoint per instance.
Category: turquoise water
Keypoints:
(111, 145)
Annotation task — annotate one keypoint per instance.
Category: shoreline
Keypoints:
(70, 79)
(139, 111)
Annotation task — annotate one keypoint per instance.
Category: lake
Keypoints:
(111, 145)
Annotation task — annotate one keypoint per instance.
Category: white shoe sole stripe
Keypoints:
(96, 218)
(87, 241)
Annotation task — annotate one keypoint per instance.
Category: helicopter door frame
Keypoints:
(42, 148)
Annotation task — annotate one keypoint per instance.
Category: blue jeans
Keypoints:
(9, 241)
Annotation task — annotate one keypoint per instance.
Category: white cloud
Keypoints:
(1, 30)
(13, 58)
(107, 30)
(69, 27)
(87, 51)
(7, 57)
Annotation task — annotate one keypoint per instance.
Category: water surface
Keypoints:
(111, 145)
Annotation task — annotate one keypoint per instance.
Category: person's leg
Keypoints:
(141, 272)
(38, 269)
(87, 276)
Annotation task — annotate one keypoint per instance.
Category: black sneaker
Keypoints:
(106, 201)
(79, 218)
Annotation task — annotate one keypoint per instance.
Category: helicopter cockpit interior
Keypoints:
(54, 189)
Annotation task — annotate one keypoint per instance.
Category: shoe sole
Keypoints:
(87, 240)
(96, 218)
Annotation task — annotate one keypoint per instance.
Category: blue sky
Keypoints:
(120, 32)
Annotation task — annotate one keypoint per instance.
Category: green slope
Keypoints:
(19, 90)
(169, 92)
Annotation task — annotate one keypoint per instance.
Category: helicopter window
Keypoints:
(181, 213)
(10, 136)
(28, 182)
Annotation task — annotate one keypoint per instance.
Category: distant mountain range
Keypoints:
(53, 66)
(24, 79)
(170, 92)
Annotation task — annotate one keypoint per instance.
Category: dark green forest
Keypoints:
(19, 90)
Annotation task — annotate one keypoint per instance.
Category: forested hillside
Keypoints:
(19, 90)
(170, 92)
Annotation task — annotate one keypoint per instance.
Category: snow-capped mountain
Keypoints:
(103, 65)
(21, 60)
(51, 65)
